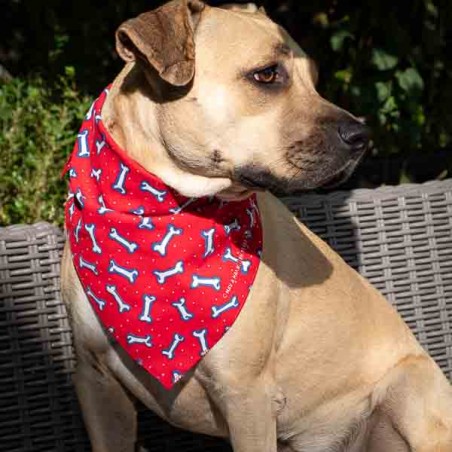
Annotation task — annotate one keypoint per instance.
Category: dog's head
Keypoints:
(235, 99)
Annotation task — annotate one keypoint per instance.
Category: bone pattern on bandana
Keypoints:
(166, 275)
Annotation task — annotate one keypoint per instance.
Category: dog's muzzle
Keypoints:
(355, 139)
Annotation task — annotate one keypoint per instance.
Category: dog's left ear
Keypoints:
(164, 39)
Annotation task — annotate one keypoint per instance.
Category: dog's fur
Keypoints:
(318, 360)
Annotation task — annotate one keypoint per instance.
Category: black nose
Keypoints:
(355, 135)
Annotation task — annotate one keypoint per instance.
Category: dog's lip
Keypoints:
(252, 184)
(341, 175)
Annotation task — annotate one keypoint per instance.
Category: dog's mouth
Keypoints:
(254, 178)
(258, 179)
(253, 183)
(342, 175)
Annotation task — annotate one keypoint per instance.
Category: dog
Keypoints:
(222, 102)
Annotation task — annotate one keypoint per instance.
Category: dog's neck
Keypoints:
(131, 119)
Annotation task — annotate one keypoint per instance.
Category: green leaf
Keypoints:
(344, 75)
(383, 60)
(338, 38)
(383, 90)
(410, 81)
(69, 71)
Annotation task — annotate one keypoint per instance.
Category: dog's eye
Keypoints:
(268, 75)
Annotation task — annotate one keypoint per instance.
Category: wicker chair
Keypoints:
(399, 238)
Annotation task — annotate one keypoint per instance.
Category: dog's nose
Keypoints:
(355, 135)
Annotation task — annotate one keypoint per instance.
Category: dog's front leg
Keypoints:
(238, 374)
(413, 408)
(250, 414)
(252, 421)
(244, 391)
(108, 412)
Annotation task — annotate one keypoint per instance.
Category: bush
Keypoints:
(38, 126)
(385, 60)
(382, 59)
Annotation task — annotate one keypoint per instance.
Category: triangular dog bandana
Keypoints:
(166, 275)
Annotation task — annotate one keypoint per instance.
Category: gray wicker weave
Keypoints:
(399, 238)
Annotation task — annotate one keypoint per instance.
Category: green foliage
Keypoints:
(38, 126)
(385, 60)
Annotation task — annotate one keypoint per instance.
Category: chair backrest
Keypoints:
(399, 238)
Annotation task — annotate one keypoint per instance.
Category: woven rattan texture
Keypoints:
(399, 238)
(38, 410)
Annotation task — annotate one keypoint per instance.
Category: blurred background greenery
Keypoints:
(382, 59)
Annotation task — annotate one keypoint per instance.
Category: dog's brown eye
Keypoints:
(268, 75)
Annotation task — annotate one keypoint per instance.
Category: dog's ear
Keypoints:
(243, 7)
(164, 39)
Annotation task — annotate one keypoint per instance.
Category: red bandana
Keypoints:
(167, 275)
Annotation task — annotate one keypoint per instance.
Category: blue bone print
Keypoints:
(163, 275)
(100, 145)
(79, 196)
(82, 140)
(185, 315)
(233, 303)
(161, 247)
(138, 211)
(201, 335)
(169, 352)
(251, 213)
(100, 303)
(158, 194)
(130, 274)
(176, 376)
(133, 339)
(71, 211)
(146, 223)
(88, 265)
(77, 230)
(148, 301)
(208, 235)
(130, 246)
(96, 173)
(121, 179)
(72, 173)
(113, 291)
(90, 112)
(244, 264)
(91, 229)
(102, 210)
(177, 210)
(197, 281)
(234, 226)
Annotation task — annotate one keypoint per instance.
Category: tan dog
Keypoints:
(318, 360)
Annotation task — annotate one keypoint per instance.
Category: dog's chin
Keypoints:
(236, 193)
(340, 176)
